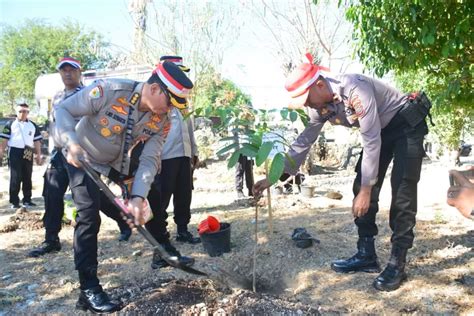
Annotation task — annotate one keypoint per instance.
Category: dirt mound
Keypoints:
(194, 297)
(22, 220)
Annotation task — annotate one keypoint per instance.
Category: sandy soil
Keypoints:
(290, 280)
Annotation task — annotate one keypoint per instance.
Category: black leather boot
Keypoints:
(186, 236)
(365, 260)
(97, 301)
(46, 247)
(158, 262)
(394, 274)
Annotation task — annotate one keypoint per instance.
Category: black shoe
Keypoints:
(125, 234)
(390, 279)
(365, 260)
(188, 237)
(97, 301)
(46, 247)
(15, 206)
(158, 262)
(29, 203)
(394, 274)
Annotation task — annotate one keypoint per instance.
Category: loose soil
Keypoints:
(290, 280)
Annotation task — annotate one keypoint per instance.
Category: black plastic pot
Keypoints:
(217, 243)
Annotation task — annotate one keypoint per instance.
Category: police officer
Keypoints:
(55, 178)
(22, 137)
(388, 133)
(179, 155)
(115, 114)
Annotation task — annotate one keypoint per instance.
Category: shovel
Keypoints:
(156, 245)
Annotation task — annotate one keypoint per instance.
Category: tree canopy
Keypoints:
(35, 47)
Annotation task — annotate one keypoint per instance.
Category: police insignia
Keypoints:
(105, 132)
(116, 129)
(134, 98)
(119, 109)
(152, 125)
(104, 121)
(96, 93)
(337, 121)
(155, 118)
(166, 129)
(324, 111)
(357, 105)
(123, 101)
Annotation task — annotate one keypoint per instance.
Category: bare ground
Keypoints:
(290, 280)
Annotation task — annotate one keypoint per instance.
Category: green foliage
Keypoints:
(429, 46)
(35, 47)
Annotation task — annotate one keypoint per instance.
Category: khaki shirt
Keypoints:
(104, 108)
(361, 102)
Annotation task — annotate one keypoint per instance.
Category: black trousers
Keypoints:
(88, 200)
(174, 180)
(20, 175)
(403, 145)
(244, 166)
(56, 181)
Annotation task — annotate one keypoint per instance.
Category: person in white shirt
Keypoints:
(22, 137)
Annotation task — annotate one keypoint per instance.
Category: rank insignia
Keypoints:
(123, 101)
(152, 125)
(337, 121)
(357, 105)
(119, 109)
(105, 132)
(134, 98)
(155, 117)
(96, 93)
(104, 121)
(116, 129)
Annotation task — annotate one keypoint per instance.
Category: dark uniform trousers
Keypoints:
(56, 181)
(174, 180)
(404, 145)
(88, 200)
(20, 175)
(244, 166)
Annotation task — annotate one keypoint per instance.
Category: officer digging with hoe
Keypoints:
(56, 178)
(115, 114)
(392, 126)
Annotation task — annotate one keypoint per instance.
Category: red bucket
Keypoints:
(209, 225)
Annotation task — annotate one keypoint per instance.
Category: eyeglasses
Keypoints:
(168, 97)
(23, 111)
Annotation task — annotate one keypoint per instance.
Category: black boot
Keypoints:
(97, 301)
(125, 234)
(46, 247)
(186, 236)
(365, 260)
(394, 274)
(158, 262)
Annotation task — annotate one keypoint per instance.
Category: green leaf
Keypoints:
(284, 113)
(293, 116)
(277, 167)
(233, 159)
(263, 152)
(226, 149)
(249, 150)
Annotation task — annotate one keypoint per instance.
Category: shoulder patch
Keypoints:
(97, 92)
(356, 104)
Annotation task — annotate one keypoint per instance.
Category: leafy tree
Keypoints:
(429, 41)
(35, 47)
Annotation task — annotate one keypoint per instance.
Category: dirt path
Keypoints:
(291, 280)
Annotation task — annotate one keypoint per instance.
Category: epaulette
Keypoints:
(121, 84)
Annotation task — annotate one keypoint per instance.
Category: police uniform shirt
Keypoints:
(104, 107)
(57, 99)
(20, 133)
(180, 141)
(359, 101)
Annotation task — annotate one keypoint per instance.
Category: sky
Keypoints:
(249, 63)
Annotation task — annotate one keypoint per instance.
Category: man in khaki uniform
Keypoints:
(115, 115)
(392, 126)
